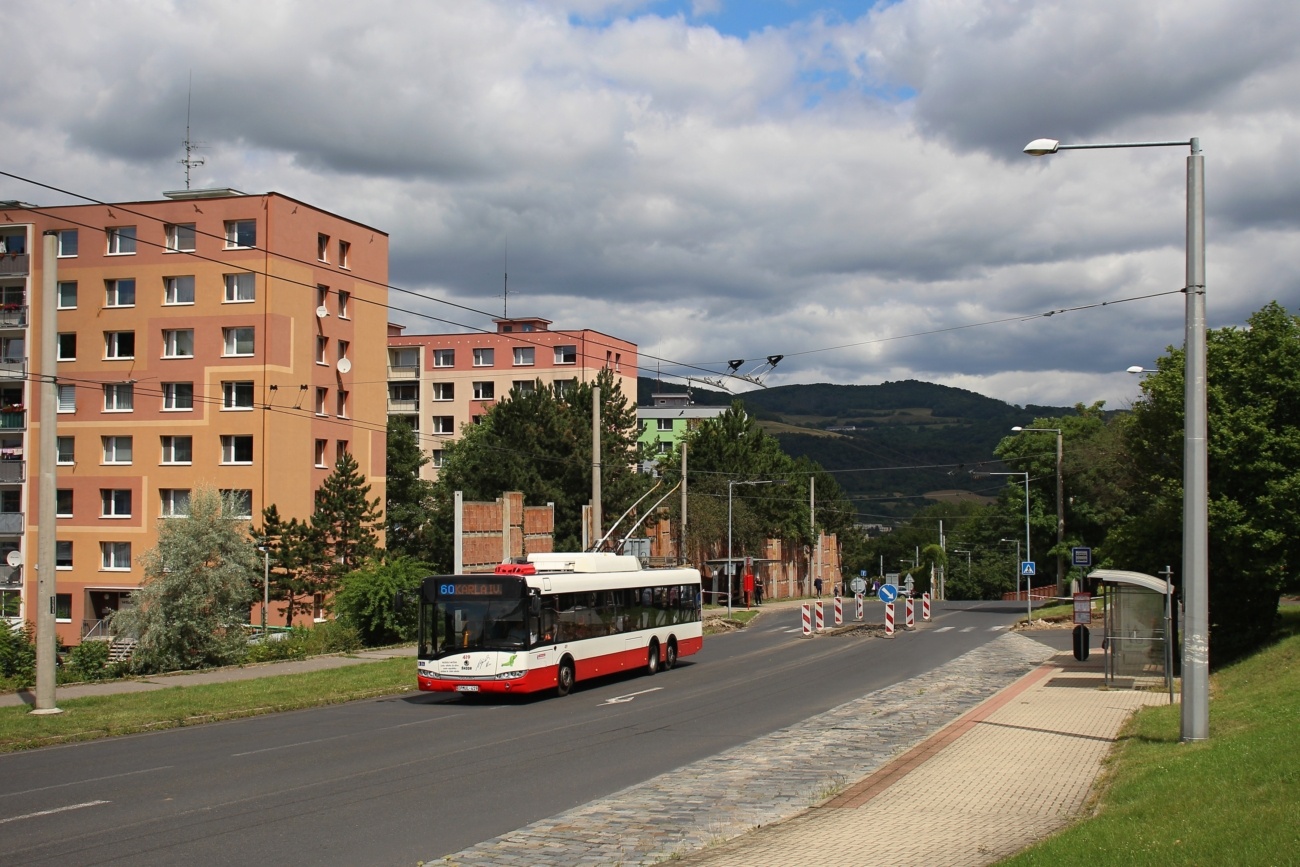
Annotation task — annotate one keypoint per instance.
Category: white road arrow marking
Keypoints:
(622, 699)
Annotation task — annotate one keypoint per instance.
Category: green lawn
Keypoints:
(1233, 799)
(104, 716)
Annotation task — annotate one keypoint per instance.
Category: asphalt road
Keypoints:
(400, 779)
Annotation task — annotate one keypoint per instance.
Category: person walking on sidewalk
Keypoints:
(817, 586)
(758, 592)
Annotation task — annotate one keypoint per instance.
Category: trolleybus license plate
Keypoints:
(467, 687)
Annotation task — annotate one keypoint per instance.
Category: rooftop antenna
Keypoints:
(505, 287)
(190, 160)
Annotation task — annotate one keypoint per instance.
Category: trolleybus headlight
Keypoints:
(510, 675)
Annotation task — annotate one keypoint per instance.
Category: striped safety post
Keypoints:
(857, 600)
(909, 621)
(889, 620)
(925, 606)
(821, 617)
(807, 620)
(839, 611)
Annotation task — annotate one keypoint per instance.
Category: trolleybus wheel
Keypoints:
(564, 678)
(652, 657)
(670, 656)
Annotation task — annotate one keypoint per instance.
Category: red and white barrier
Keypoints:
(857, 599)
(807, 620)
(821, 617)
(925, 606)
(889, 620)
(839, 611)
(909, 621)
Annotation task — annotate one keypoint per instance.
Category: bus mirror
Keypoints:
(535, 606)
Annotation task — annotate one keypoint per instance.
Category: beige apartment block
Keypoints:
(441, 382)
(210, 338)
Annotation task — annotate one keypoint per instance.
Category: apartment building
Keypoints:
(210, 338)
(441, 382)
(667, 421)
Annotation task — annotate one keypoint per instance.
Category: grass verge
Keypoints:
(105, 716)
(1231, 799)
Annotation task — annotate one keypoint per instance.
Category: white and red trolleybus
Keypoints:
(555, 620)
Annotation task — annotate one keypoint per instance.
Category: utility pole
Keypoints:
(596, 518)
(46, 547)
(681, 552)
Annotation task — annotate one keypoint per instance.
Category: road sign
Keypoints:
(908, 581)
(1082, 608)
(1028, 568)
(887, 592)
(1080, 556)
(863, 573)
(858, 585)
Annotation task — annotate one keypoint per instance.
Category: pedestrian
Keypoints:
(817, 585)
(758, 592)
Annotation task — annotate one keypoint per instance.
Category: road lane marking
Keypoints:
(289, 746)
(90, 780)
(968, 629)
(622, 699)
(40, 813)
(943, 629)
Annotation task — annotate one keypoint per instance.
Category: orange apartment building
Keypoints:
(441, 382)
(211, 338)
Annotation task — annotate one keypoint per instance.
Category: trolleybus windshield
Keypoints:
(468, 614)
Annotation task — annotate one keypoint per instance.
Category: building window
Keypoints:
(483, 357)
(119, 293)
(175, 502)
(340, 451)
(485, 390)
(121, 240)
(241, 233)
(178, 343)
(444, 390)
(180, 237)
(115, 556)
(436, 458)
(236, 449)
(345, 250)
(524, 356)
(237, 341)
(566, 355)
(342, 404)
(115, 503)
(65, 450)
(322, 247)
(67, 398)
(564, 386)
(665, 448)
(177, 449)
(67, 299)
(241, 287)
(178, 290)
(238, 502)
(322, 295)
(119, 397)
(119, 344)
(343, 349)
(321, 446)
(178, 395)
(444, 358)
(62, 607)
(407, 358)
(63, 503)
(62, 555)
(322, 400)
(237, 395)
(444, 424)
(404, 392)
(344, 299)
(67, 243)
(117, 450)
(664, 424)
(65, 346)
(524, 386)
(322, 348)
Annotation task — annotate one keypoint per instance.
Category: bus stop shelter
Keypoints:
(1138, 631)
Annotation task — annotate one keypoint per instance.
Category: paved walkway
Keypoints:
(1001, 747)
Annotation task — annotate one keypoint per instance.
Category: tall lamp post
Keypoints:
(1029, 599)
(1196, 601)
(1060, 500)
(731, 483)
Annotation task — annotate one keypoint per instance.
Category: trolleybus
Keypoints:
(555, 620)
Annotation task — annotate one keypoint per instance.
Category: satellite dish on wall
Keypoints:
(15, 559)
(322, 311)
(344, 365)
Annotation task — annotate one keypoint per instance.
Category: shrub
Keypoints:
(88, 661)
(17, 655)
(365, 601)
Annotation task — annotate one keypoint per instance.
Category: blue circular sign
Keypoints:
(887, 593)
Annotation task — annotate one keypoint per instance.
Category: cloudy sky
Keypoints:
(840, 183)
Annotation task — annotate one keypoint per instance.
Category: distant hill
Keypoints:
(889, 445)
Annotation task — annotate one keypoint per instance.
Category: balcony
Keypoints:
(11, 523)
(13, 316)
(403, 371)
(13, 368)
(14, 264)
(397, 404)
(13, 419)
(10, 576)
(12, 470)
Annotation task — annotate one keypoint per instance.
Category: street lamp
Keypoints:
(1060, 500)
(731, 483)
(1137, 368)
(1196, 637)
(1029, 599)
